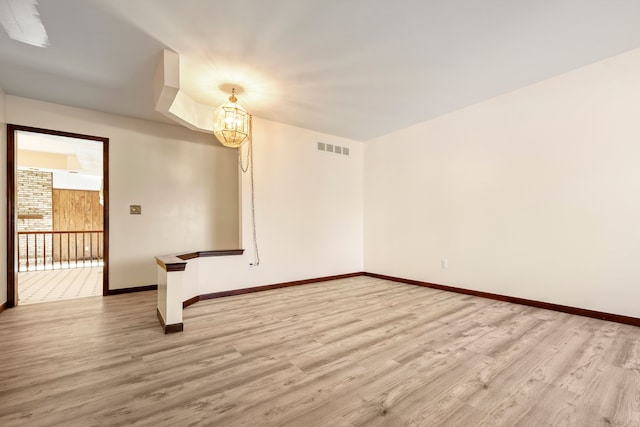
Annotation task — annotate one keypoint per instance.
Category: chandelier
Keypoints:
(232, 127)
(232, 124)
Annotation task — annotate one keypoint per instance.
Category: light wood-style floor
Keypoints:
(358, 351)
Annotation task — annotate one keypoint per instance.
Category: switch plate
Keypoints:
(444, 263)
(135, 209)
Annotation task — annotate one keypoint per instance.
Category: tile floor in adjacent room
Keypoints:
(55, 285)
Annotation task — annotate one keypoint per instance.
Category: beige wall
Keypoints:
(308, 212)
(3, 200)
(186, 183)
(534, 194)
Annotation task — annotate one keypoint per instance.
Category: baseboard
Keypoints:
(618, 318)
(628, 320)
(3, 306)
(190, 301)
(233, 292)
(134, 289)
(169, 329)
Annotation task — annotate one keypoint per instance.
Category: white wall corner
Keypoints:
(167, 81)
(176, 104)
(529, 194)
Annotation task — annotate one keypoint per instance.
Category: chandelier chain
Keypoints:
(249, 150)
(249, 167)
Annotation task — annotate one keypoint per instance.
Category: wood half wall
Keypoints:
(77, 210)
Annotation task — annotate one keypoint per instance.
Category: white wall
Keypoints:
(74, 181)
(534, 194)
(3, 200)
(308, 211)
(186, 183)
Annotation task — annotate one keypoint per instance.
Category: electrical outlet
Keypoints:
(444, 263)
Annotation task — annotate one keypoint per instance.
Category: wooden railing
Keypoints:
(51, 250)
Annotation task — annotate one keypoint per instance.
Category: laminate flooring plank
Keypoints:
(576, 370)
(335, 290)
(390, 398)
(356, 351)
(322, 385)
(625, 350)
(322, 304)
(280, 343)
(516, 379)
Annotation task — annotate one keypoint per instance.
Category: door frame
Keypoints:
(12, 261)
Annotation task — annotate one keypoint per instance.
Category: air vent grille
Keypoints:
(330, 148)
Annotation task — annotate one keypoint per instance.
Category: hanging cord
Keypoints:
(249, 167)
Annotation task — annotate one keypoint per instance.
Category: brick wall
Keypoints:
(35, 198)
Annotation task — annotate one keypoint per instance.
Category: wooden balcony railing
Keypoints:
(51, 250)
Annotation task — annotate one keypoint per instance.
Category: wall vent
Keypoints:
(330, 148)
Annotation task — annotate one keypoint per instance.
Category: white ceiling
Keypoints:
(354, 68)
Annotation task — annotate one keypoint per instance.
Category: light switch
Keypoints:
(135, 209)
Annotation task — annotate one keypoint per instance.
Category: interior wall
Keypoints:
(186, 183)
(534, 194)
(3, 200)
(308, 213)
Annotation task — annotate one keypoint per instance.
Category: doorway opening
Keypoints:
(57, 202)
